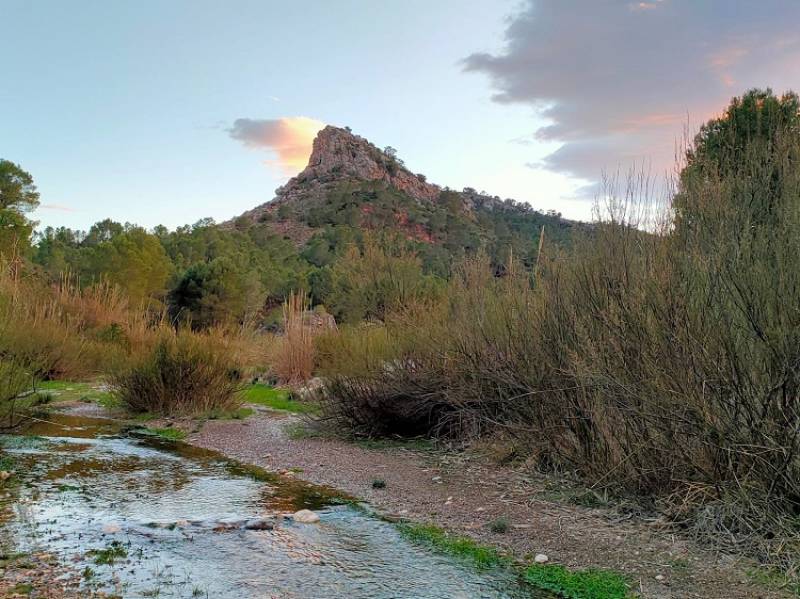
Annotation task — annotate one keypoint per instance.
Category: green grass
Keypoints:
(461, 547)
(110, 554)
(277, 399)
(74, 391)
(172, 434)
(773, 578)
(571, 584)
(578, 584)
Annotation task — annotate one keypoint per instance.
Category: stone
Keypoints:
(541, 558)
(4, 474)
(305, 517)
(660, 577)
(259, 524)
(111, 528)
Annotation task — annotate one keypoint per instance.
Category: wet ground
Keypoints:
(139, 517)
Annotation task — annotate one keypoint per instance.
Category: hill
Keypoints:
(349, 182)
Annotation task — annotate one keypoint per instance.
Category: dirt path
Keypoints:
(465, 492)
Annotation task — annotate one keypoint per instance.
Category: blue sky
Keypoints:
(123, 109)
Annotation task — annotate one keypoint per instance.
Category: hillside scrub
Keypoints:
(658, 358)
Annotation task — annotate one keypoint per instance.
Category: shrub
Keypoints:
(658, 357)
(184, 374)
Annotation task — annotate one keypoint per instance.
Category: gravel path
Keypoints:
(464, 492)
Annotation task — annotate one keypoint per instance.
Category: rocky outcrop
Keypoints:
(338, 154)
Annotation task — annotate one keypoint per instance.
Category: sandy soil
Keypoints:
(464, 492)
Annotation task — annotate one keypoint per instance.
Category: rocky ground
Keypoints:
(465, 492)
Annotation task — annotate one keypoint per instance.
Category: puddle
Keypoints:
(147, 518)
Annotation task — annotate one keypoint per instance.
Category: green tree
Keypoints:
(18, 196)
(135, 261)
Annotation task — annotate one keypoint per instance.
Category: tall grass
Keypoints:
(294, 359)
(69, 332)
(660, 357)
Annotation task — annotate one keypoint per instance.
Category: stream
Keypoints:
(143, 517)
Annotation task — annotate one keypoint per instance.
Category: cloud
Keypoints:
(289, 138)
(619, 81)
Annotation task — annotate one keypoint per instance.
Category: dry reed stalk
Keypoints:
(295, 360)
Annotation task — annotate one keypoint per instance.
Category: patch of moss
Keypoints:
(578, 584)
(277, 399)
(172, 434)
(461, 547)
(110, 554)
(56, 391)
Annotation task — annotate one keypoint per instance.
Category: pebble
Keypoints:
(4, 474)
(541, 558)
(305, 517)
(660, 577)
(259, 524)
(111, 528)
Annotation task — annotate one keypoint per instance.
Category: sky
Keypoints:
(166, 112)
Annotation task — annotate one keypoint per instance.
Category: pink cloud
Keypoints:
(288, 138)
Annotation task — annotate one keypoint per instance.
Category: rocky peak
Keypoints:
(339, 154)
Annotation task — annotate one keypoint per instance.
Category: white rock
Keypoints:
(541, 558)
(181, 523)
(660, 577)
(305, 517)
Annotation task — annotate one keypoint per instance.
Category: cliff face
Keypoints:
(338, 154)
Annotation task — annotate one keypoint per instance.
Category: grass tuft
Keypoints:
(578, 584)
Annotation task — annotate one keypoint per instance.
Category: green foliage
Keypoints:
(578, 584)
(461, 547)
(366, 284)
(18, 196)
(108, 555)
(169, 433)
(277, 399)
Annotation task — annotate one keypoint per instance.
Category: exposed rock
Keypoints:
(259, 524)
(339, 155)
(541, 558)
(305, 517)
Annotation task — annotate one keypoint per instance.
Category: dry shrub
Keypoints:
(185, 373)
(656, 360)
(294, 356)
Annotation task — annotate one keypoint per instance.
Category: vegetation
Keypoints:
(184, 373)
(462, 547)
(578, 584)
(656, 358)
(277, 399)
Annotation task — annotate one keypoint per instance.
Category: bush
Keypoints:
(656, 359)
(184, 374)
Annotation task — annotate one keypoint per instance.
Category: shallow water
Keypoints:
(176, 513)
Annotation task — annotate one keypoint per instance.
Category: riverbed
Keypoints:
(137, 516)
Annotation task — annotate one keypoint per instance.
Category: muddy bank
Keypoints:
(465, 493)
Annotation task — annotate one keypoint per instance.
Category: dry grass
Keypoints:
(294, 356)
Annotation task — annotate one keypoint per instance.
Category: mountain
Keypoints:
(349, 182)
